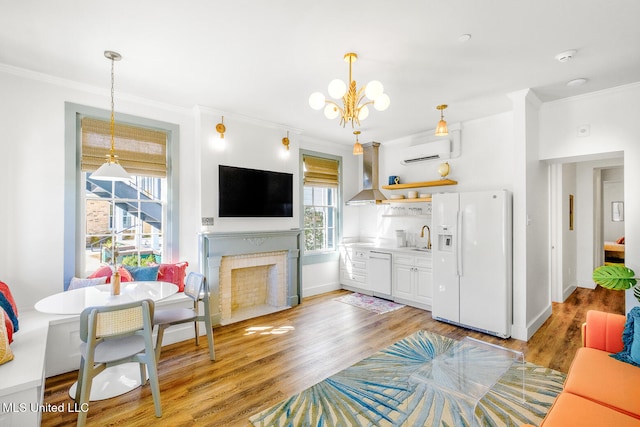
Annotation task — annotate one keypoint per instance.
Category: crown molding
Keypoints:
(87, 88)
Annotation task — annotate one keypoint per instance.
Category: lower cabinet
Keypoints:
(412, 280)
(353, 269)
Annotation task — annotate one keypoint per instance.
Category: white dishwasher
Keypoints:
(379, 273)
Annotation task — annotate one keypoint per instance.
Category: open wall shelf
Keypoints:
(416, 200)
(420, 184)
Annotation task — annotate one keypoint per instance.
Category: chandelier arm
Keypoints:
(340, 109)
(366, 103)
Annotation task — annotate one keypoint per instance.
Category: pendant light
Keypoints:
(111, 169)
(442, 130)
(357, 147)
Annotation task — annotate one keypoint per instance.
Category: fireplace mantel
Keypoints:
(214, 246)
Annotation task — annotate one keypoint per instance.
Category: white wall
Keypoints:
(31, 218)
(613, 119)
(531, 243)
(32, 142)
(257, 144)
(485, 163)
(499, 151)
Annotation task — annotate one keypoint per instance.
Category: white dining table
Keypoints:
(115, 380)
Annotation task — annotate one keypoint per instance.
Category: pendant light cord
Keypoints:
(112, 125)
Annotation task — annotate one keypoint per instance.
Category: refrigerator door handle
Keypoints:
(459, 244)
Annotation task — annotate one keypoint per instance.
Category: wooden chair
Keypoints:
(197, 289)
(111, 336)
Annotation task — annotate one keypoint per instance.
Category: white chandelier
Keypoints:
(355, 104)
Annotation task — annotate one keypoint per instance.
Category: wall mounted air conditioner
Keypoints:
(436, 150)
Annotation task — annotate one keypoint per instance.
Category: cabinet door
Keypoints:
(403, 281)
(424, 285)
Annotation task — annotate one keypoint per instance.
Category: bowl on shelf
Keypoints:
(396, 196)
(412, 194)
(425, 195)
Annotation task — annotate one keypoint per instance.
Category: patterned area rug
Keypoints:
(377, 391)
(370, 303)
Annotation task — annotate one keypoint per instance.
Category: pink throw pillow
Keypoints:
(105, 271)
(8, 325)
(173, 273)
(5, 338)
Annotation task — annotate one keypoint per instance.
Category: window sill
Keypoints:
(320, 257)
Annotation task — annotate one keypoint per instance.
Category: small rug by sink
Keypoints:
(377, 305)
(377, 391)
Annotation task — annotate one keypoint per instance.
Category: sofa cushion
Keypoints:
(174, 273)
(631, 339)
(596, 376)
(105, 271)
(8, 325)
(77, 283)
(603, 331)
(5, 351)
(143, 274)
(8, 303)
(572, 410)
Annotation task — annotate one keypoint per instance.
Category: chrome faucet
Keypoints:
(429, 235)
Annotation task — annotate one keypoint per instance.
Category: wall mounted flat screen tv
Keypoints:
(254, 193)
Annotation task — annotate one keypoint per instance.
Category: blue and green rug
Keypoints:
(377, 392)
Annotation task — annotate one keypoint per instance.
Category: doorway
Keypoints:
(581, 193)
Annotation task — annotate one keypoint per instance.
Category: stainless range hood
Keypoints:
(370, 180)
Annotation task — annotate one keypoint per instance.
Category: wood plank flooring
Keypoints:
(264, 360)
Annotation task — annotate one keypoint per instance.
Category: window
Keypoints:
(319, 219)
(321, 187)
(140, 216)
(123, 220)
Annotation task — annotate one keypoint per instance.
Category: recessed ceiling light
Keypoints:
(576, 82)
(565, 56)
(464, 38)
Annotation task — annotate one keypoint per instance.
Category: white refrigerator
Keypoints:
(472, 260)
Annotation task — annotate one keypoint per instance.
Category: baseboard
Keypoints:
(317, 290)
(567, 292)
(525, 333)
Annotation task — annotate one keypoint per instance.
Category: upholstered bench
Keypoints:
(22, 379)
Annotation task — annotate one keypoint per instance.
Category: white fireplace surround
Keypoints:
(265, 266)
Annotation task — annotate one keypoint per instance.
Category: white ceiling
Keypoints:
(262, 59)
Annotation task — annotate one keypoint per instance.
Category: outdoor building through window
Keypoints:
(124, 220)
(320, 199)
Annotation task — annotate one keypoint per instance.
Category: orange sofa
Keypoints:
(599, 390)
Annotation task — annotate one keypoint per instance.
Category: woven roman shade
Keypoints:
(140, 151)
(320, 172)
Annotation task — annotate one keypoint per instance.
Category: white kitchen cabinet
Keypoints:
(353, 269)
(412, 280)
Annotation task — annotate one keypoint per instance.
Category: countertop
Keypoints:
(389, 248)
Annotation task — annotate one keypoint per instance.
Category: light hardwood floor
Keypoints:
(264, 360)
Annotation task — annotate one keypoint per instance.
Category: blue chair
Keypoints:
(111, 336)
(197, 289)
